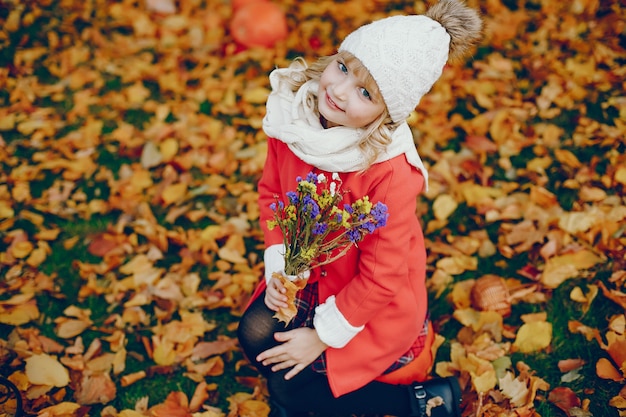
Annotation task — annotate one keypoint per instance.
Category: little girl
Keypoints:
(360, 342)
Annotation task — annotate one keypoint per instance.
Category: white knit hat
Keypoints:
(404, 54)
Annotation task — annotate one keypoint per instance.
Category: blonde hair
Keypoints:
(377, 135)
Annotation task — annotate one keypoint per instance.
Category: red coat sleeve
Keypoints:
(269, 188)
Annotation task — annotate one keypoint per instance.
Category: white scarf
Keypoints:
(294, 121)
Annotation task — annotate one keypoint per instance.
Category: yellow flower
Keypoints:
(307, 187)
(290, 212)
(325, 200)
(363, 205)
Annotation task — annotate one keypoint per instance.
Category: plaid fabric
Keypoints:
(307, 300)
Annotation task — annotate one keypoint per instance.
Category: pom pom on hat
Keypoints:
(406, 54)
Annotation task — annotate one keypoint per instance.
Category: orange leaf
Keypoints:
(567, 365)
(564, 398)
(175, 405)
(606, 370)
(617, 351)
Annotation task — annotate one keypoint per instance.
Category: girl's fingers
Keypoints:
(294, 371)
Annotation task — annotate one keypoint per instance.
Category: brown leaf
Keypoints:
(203, 350)
(95, 389)
(564, 398)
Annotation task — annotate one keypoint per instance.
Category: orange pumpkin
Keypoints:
(259, 23)
(238, 4)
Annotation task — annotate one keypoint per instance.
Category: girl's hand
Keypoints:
(300, 348)
(275, 297)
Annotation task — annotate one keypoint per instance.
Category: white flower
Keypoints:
(335, 176)
(321, 178)
(333, 188)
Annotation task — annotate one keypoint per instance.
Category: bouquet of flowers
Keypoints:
(317, 231)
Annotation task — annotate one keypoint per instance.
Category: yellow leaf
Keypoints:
(63, 409)
(22, 249)
(164, 352)
(169, 149)
(461, 293)
(575, 222)
(577, 295)
(7, 122)
(457, 264)
(137, 93)
(567, 158)
(254, 408)
(534, 336)
(70, 328)
(485, 381)
(6, 211)
(20, 314)
(257, 95)
(37, 256)
(233, 250)
(561, 268)
(174, 193)
(44, 369)
(443, 206)
(475, 194)
(620, 175)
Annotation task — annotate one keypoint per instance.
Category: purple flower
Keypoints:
(292, 196)
(348, 208)
(311, 177)
(319, 228)
(339, 217)
(380, 215)
(311, 206)
(354, 235)
(369, 226)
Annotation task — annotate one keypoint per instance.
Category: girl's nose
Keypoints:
(340, 89)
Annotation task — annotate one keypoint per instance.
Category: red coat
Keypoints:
(380, 284)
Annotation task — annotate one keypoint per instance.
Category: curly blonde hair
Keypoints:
(377, 135)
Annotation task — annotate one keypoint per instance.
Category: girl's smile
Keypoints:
(343, 99)
(331, 102)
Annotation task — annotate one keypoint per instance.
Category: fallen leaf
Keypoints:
(606, 370)
(533, 337)
(95, 389)
(514, 389)
(43, 369)
(564, 398)
(567, 365)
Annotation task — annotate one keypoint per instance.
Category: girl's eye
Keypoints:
(343, 68)
(366, 93)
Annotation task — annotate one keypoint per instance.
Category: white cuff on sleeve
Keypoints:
(331, 326)
(274, 260)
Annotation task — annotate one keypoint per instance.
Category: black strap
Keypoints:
(420, 395)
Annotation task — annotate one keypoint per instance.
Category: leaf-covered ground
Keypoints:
(130, 147)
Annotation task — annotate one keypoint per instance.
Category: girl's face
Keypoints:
(343, 98)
